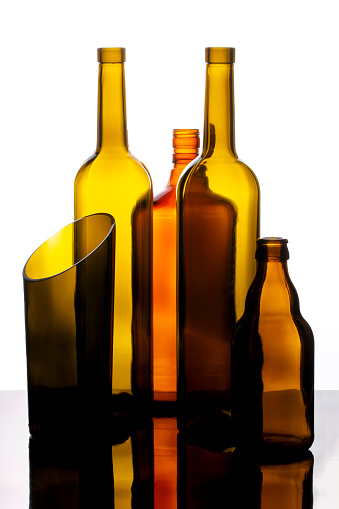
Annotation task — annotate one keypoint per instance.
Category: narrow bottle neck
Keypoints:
(112, 130)
(278, 293)
(186, 144)
(219, 131)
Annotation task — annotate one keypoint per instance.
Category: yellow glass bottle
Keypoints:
(218, 224)
(186, 145)
(113, 181)
(273, 361)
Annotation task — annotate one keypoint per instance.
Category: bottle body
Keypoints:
(113, 180)
(218, 224)
(185, 143)
(273, 361)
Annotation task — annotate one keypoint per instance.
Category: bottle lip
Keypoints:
(275, 241)
(219, 55)
(185, 142)
(185, 132)
(111, 55)
(272, 249)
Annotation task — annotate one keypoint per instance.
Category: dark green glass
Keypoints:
(68, 288)
(72, 474)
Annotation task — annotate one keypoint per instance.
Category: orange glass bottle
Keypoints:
(272, 361)
(186, 145)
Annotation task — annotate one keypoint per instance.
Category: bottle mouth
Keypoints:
(220, 55)
(186, 143)
(111, 55)
(272, 249)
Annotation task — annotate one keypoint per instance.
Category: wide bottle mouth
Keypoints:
(68, 247)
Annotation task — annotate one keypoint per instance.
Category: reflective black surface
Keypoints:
(153, 467)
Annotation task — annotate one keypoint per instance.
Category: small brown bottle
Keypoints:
(272, 361)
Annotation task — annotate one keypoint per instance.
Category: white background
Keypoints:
(287, 110)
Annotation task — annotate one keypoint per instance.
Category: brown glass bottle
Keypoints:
(185, 144)
(273, 361)
(218, 224)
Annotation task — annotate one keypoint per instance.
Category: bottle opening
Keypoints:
(220, 55)
(272, 248)
(111, 55)
(186, 143)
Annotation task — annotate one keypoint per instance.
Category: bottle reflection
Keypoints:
(204, 473)
(272, 485)
(132, 457)
(70, 473)
(96, 472)
(165, 463)
(155, 467)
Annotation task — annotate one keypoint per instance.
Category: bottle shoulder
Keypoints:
(229, 177)
(272, 305)
(108, 165)
(225, 167)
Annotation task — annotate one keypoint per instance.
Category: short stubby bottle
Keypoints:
(273, 362)
(186, 147)
(218, 224)
(114, 181)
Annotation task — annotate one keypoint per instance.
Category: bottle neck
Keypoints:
(278, 294)
(112, 130)
(186, 143)
(219, 132)
(272, 249)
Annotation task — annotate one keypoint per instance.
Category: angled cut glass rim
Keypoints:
(32, 279)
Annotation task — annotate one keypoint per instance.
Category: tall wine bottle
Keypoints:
(186, 145)
(218, 224)
(113, 181)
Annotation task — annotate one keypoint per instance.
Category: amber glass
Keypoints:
(218, 224)
(68, 287)
(186, 145)
(257, 485)
(273, 361)
(113, 181)
(165, 463)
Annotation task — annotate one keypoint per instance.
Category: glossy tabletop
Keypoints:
(151, 468)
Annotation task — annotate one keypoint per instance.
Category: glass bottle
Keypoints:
(218, 223)
(273, 361)
(113, 181)
(186, 144)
